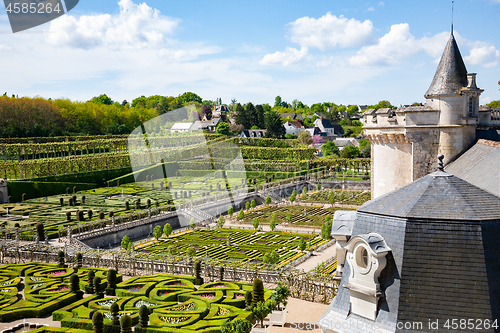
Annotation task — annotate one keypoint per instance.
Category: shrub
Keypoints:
(68, 216)
(280, 294)
(61, 201)
(191, 251)
(79, 259)
(268, 200)
(157, 232)
(238, 325)
(192, 223)
(167, 229)
(125, 242)
(261, 309)
(90, 213)
(230, 211)
(271, 258)
(221, 221)
(241, 215)
(171, 250)
(101, 215)
(97, 285)
(74, 283)
(221, 273)
(97, 322)
(89, 288)
(83, 200)
(114, 313)
(302, 244)
(111, 214)
(143, 316)
(111, 277)
(257, 291)
(60, 259)
(40, 232)
(197, 271)
(253, 204)
(127, 205)
(255, 223)
(248, 299)
(125, 324)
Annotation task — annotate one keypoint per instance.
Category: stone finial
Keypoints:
(440, 164)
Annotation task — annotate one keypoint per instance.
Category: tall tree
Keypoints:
(259, 110)
(277, 101)
(274, 126)
(251, 114)
(242, 116)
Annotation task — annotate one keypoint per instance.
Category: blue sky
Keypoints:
(356, 52)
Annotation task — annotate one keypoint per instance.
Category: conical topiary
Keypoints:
(257, 291)
(97, 322)
(60, 259)
(110, 289)
(97, 285)
(79, 260)
(74, 283)
(89, 288)
(125, 324)
(221, 273)
(143, 316)
(114, 314)
(197, 270)
(248, 299)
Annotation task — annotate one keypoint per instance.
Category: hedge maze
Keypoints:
(175, 304)
(232, 244)
(46, 288)
(313, 216)
(348, 197)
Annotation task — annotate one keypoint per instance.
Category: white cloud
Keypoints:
(381, 4)
(485, 55)
(288, 57)
(5, 48)
(136, 26)
(391, 49)
(370, 9)
(187, 52)
(330, 31)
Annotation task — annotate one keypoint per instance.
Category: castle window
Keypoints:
(471, 107)
(366, 257)
(362, 257)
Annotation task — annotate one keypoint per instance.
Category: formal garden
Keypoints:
(100, 300)
(290, 215)
(346, 197)
(240, 246)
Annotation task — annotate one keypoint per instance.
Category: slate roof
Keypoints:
(441, 265)
(437, 196)
(480, 165)
(343, 222)
(451, 74)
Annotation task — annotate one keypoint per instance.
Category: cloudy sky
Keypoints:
(349, 52)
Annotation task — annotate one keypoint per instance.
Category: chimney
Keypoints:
(471, 81)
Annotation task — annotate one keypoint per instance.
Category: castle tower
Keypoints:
(405, 141)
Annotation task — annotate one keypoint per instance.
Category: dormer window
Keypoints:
(471, 107)
(366, 257)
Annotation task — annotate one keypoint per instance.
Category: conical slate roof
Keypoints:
(437, 196)
(451, 74)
